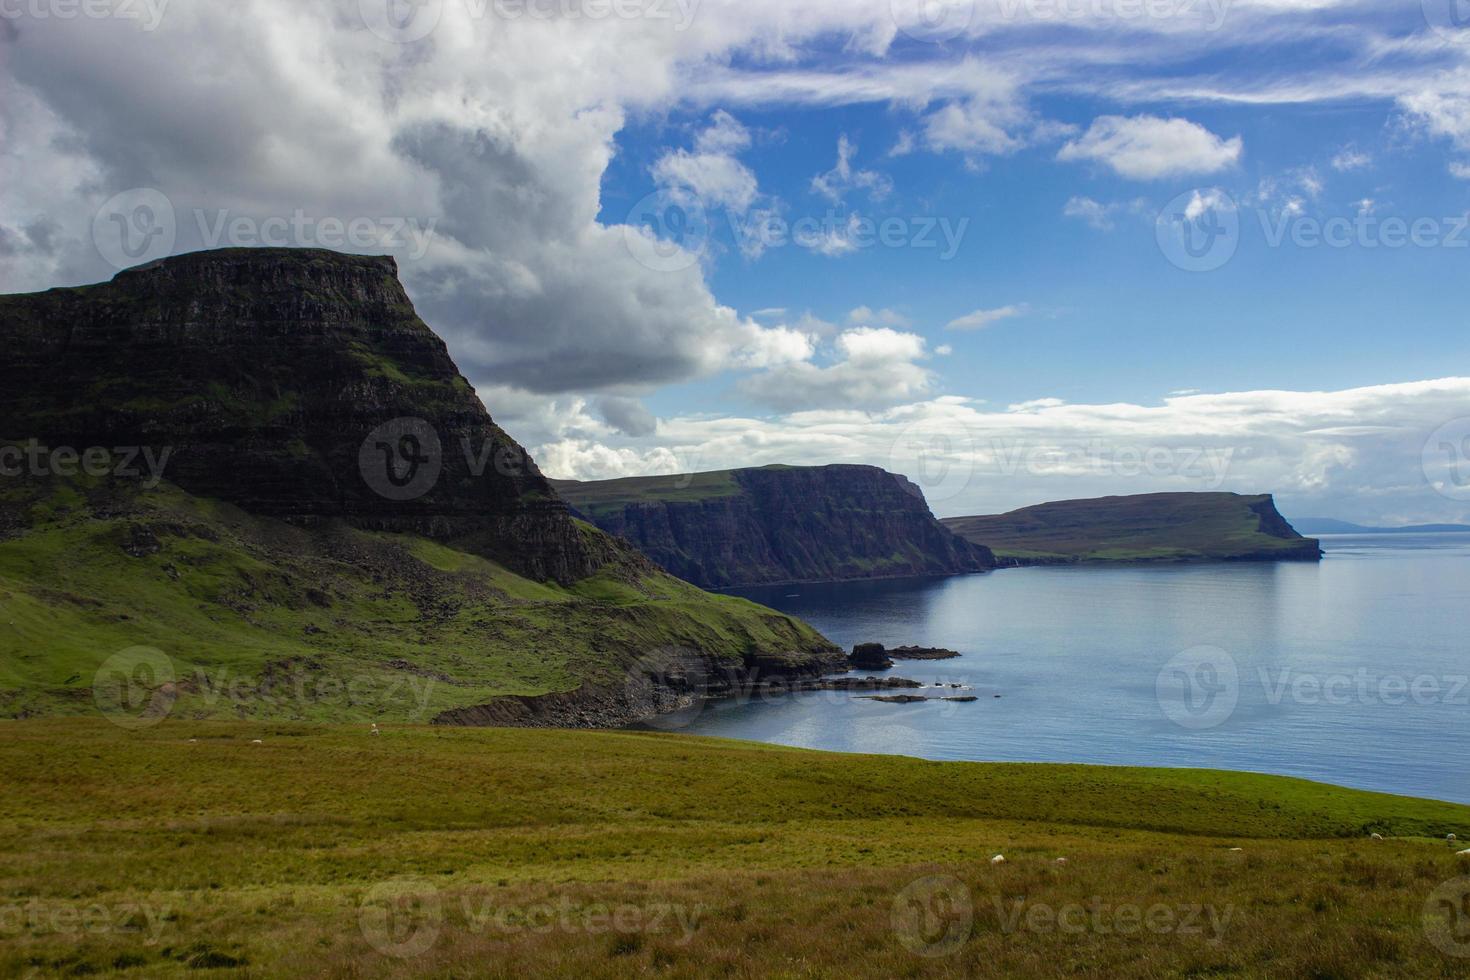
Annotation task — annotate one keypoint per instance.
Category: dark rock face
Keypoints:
(786, 524)
(668, 690)
(870, 656)
(922, 653)
(297, 384)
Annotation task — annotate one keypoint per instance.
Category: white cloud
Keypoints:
(1349, 159)
(873, 367)
(712, 172)
(980, 319)
(864, 316)
(1086, 209)
(842, 178)
(1355, 454)
(1458, 170)
(977, 127)
(1443, 111)
(1150, 148)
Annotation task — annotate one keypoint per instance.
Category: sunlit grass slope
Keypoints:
(506, 853)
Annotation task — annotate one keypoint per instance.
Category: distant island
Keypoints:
(1328, 525)
(1157, 527)
(778, 524)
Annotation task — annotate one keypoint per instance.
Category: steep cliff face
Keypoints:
(778, 524)
(1145, 527)
(297, 384)
(260, 468)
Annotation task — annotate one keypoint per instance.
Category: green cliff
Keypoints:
(778, 524)
(1167, 527)
(263, 465)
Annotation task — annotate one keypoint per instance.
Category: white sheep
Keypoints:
(1061, 860)
(375, 729)
(1377, 836)
(1236, 850)
(258, 741)
(998, 859)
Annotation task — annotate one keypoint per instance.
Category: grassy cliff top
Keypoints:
(327, 851)
(1145, 527)
(604, 495)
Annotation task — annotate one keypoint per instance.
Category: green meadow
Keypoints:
(189, 848)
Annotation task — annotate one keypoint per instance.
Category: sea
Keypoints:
(1354, 671)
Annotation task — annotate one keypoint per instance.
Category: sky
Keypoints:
(1019, 250)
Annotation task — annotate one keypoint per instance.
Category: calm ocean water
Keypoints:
(1351, 672)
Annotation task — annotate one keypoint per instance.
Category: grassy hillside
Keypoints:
(325, 851)
(603, 497)
(260, 619)
(1146, 527)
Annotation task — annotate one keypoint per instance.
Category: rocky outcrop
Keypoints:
(779, 524)
(869, 656)
(667, 689)
(298, 384)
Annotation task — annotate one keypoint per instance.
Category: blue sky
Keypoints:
(1107, 316)
(1063, 157)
